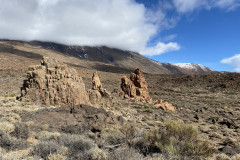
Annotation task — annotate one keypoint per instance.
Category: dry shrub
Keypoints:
(45, 127)
(56, 157)
(125, 153)
(30, 124)
(12, 117)
(179, 138)
(120, 135)
(21, 131)
(77, 144)
(8, 143)
(7, 127)
(45, 135)
(112, 136)
(45, 148)
(75, 129)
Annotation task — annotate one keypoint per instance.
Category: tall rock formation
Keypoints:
(97, 92)
(136, 86)
(53, 83)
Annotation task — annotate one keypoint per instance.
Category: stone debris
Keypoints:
(53, 83)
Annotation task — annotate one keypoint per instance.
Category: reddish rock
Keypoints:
(164, 105)
(96, 83)
(136, 86)
(53, 83)
(97, 92)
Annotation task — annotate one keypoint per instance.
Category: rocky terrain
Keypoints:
(112, 112)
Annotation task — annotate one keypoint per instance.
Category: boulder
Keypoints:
(53, 83)
(164, 105)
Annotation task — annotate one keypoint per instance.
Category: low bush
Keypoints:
(7, 127)
(12, 117)
(76, 144)
(120, 135)
(44, 148)
(178, 138)
(21, 131)
(8, 143)
(56, 157)
(125, 153)
(112, 136)
(75, 129)
(45, 135)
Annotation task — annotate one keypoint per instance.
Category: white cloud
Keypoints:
(184, 6)
(188, 5)
(169, 37)
(122, 24)
(233, 61)
(161, 48)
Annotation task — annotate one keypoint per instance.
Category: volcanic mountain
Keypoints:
(100, 58)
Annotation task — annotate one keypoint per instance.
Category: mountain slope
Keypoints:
(95, 58)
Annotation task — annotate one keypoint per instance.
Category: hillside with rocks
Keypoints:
(55, 106)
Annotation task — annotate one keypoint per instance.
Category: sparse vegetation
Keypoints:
(21, 131)
(179, 139)
(7, 127)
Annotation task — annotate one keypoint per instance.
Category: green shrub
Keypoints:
(179, 138)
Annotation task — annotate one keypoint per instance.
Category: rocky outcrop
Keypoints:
(97, 92)
(96, 83)
(136, 86)
(53, 83)
(96, 118)
(164, 105)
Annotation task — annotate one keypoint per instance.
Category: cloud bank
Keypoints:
(233, 61)
(123, 24)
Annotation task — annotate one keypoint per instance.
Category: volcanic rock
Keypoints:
(136, 86)
(164, 105)
(97, 92)
(53, 83)
(96, 83)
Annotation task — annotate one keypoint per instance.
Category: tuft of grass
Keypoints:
(180, 139)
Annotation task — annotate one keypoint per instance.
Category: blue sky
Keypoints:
(177, 31)
(206, 36)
